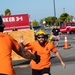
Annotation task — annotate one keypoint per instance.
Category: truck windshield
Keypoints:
(69, 24)
(61, 25)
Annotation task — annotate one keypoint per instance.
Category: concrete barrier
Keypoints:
(28, 36)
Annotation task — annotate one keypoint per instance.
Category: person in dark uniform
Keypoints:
(55, 34)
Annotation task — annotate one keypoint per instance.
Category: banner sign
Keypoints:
(17, 21)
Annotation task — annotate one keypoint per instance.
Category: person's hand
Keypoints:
(21, 39)
(37, 58)
(63, 64)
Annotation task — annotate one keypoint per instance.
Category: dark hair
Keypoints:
(1, 25)
(1, 21)
(1, 29)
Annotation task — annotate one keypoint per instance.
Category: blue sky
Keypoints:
(38, 9)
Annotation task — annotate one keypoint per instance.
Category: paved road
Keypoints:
(55, 69)
(68, 55)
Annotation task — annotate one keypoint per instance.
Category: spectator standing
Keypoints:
(15, 29)
(43, 48)
(55, 35)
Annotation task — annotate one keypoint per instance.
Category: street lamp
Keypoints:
(44, 22)
(30, 20)
(54, 8)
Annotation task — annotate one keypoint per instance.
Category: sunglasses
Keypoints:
(40, 37)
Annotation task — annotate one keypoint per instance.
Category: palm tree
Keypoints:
(7, 12)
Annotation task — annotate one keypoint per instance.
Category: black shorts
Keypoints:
(41, 72)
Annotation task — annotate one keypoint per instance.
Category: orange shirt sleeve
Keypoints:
(15, 45)
(29, 46)
(54, 50)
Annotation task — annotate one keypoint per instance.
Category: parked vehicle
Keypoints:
(19, 22)
(38, 27)
(67, 27)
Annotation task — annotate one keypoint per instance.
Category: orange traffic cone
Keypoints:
(66, 43)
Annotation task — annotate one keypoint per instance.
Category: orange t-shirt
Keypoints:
(7, 44)
(44, 52)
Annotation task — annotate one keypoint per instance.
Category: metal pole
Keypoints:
(63, 10)
(54, 8)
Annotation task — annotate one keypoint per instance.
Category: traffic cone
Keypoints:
(66, 46)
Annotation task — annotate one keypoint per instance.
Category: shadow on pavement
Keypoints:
(21, 62)
(24, 62)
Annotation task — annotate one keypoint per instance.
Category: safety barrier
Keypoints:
(28, 36)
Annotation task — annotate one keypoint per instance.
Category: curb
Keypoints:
(20, 66)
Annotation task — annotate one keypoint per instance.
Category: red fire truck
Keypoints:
(18, 22)
(67, 27)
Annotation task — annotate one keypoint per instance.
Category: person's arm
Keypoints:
(22, 51)
(25, 53)
(59, 32)
(60, 58)
(54, 50)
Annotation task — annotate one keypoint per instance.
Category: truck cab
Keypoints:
(67, 27)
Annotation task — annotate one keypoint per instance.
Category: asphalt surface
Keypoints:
(22, 67)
